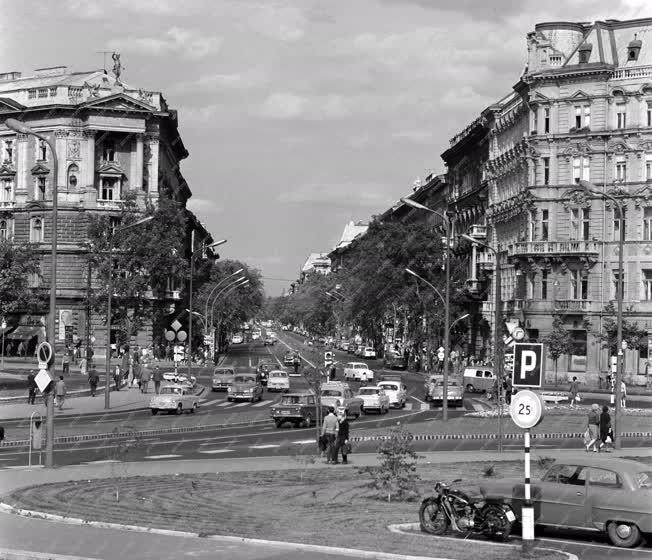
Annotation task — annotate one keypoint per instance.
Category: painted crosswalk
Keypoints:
(215, 451)
(169, 456)
(229, 404)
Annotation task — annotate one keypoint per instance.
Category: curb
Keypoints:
(405, 528)
(224, 538)
(426, 437)
(70, 394)
(7, 554)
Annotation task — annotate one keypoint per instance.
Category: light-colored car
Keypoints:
(396, 391)
(278, 380)
(585, 492)
(338, 394)
(353, 371)
(173, 398)
(237, 339)
(455, 393)
(222, 378)
(478, 379)
(374, 398)
(368, 352)
(344, 345)
(245, 387)
(180, 379)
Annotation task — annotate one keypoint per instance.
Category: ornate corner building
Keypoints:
(582, 110)
(111, 139)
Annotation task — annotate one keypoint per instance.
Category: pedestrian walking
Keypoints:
(83, 366)
(329, 430)
(573, 392)
(157, 377)
(605, 429)
(93, 380)
(623, 394)
(364, 378)
(593, 428)
(117, 377)
(342, 444)
(138, 369)
(31, 388)
(144, 380)
(60, 392)
(21, 349)
(65, 361)
(296, 362)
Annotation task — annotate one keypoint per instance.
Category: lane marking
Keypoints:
(304, 441)
(262, 403)
(268, 446)
(171, 456)
(214, 451)
(211, 403)
(102, 461)
(238, 405)
(224, 403)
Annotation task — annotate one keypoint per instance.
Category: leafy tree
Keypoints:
(558, 342)
(17, 262)
(635, 336)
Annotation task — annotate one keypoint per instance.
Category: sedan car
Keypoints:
(299, 409)
(269, 341)
(278, 380)
(368, 352)
(338, 394)
(591, 493)
(455, 393)
(222, 378)
(396, 391)
(246, 387)
(354, 371)
(374, 398)
(173, 398)
(288, 359)
(180, 379)
(393, 360)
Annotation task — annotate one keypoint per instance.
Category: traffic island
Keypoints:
(329, 506)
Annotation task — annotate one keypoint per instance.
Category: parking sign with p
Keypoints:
(528, 365)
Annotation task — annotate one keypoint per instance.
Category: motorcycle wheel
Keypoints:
(432, 518)
(496, 524)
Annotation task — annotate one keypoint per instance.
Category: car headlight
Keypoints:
(248, 390)
(229, 389)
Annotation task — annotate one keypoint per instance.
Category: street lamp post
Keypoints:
(447, 308)
(498, 343)
(4, 328)
(215, 288)
(192, 271)
(22, 128)
(107, 384)
(590, 188)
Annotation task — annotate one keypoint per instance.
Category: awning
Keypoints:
(23, 332)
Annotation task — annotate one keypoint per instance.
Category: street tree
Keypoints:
(558, 342)
(635, 336)
(17, 263)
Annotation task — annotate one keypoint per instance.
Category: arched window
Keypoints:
(36, 230)
(73, 171)
(4, 230)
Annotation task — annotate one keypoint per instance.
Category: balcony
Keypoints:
(627, 73)
(507, 306)
(485, 259)
(533, 248)
(572, 305)
(478, 232)
(7, 204)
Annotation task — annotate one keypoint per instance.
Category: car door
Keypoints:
(561, 496)
(606, 494)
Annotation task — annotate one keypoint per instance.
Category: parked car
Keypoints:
(353, 371)
(222, 378)
(478, 379)
(393, 360)
(396, 391)
(455, 393)
(278, 380)
(174, 398)
(338, 394)
(374, 398)
(299, 409)
(245, 386)
(609, 495)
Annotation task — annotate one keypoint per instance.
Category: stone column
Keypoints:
(22, 163)
(88, 161)
(138, 175)
(153, 143)
(60, 137)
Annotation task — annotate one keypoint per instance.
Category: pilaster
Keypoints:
(22, 164)
(60, 137)
(88, 162)
(138, 175)
(152, 163)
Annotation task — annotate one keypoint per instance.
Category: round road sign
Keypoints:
(518, 333)
(44, 352)
(181, 336)
(169, 336)
(526, 409)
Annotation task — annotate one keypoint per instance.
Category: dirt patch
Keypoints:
(331, 506)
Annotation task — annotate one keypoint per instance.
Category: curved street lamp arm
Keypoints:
(428, 283)
(234, 284)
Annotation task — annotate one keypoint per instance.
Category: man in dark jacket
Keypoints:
(157, 377)
(342, 442)
(31, 388)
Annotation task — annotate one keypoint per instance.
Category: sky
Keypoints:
(299, 115)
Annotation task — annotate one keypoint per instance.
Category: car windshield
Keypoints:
(390, 387)
(331, 393)
(278, 374)
(244, 379)
(223, 372)
(294, 399)
(170, 390)
(440, 383)
(644, 479)
(368, 391)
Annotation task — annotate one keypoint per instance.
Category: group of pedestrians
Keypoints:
(599, 433)
(335, 437)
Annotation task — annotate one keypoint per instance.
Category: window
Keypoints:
(616, 222)
(42, 92)
(114, 223)
(545, 214)
(4, 230)
(580, 223)
(646, 292)
(33, 280)
(73, 170)
(7, 190)
(621, 169)
(578, 117)
(40, 188)
(581, 169)
(648, 167)
(579, 285)
(546, 120)
(31, 94)
(621, 116)
(647, 224)
(529, 286)
(649, 113)
(36, 230)
(42, 150)
(544, 284)
(604, 478)
(8, 151)
(566, 474)
(108, 150)
(110, 189)
(532, 225)
(535, 121)
(614, 284)
(53, 92)
(546, 170)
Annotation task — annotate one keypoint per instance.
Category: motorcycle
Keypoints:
(454, 509)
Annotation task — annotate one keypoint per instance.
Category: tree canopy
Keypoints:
(17, 263)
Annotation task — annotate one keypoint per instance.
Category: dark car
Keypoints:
(299, 409)
(269, 341)
(394, 361)
(288, 359)
(263, 370)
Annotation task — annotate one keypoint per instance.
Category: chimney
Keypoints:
(51, 71)
(9, 76)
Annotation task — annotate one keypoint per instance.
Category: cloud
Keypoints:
(101, 9)
(278, 20)
(283, 106)
(204, 208)
(190, 44)
(347, 195)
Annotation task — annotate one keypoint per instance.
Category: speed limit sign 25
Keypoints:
(526, 409)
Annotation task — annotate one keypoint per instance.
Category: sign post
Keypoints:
(35, 437)
(526, 411)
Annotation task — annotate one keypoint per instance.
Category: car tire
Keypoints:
(278, 423)
(214, 389)
(229, 399)
(154, 411)
(623, 535)
(193, 409)
(179, 409)
(307, 421)
(403, 404)
(470, 388)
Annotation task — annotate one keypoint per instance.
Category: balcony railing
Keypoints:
(554, 247)
(7, 203)
(638, 72)
(485, 259)
(572, 304)
(509, 305)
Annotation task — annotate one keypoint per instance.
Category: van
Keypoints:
(479, 379)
